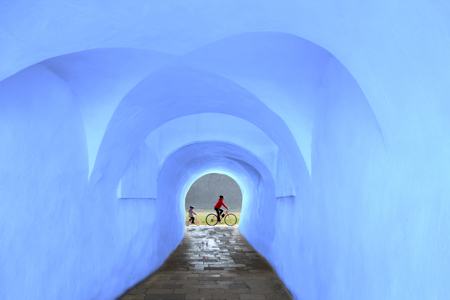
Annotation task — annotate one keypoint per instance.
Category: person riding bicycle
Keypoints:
(191, 214)
(218, 206)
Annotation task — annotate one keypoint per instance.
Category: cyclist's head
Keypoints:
(221, 197)
(191, 206)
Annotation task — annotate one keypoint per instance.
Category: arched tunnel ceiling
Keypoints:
(180, 132)
(278, 66)
(142, 171)
(135, 118)
(147, 28)
(189, 163)
(290, 72)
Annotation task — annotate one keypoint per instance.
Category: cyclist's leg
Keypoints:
(218, 213)
(192, 220)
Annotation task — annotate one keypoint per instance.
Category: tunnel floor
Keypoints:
(212, 263)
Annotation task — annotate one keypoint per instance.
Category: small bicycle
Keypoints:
(230, 219)
(196, 221)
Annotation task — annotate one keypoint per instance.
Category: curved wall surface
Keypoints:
(333, 118)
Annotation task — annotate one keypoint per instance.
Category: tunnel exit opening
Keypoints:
(204, 193)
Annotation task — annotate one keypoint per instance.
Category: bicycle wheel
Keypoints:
(199, 223)
(187, 222)
(211, 219)
(230, 219)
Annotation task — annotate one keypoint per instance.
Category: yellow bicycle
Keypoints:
(230, 219)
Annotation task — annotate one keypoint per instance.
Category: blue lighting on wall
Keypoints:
(332, 116)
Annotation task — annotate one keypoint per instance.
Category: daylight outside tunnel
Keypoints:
(205, 191)
(331, 116)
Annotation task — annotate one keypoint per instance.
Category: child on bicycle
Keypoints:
(218, 206)
(191, 214)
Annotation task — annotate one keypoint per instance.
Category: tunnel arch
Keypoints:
(201, 58)
(205, 127)
(212, 126)
(307, 60)
(236, 153)
(208, 58)
(134, 114)
(191, 162)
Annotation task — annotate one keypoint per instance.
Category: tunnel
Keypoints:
(333, 118)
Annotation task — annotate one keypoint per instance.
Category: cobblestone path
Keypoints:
(212, 263)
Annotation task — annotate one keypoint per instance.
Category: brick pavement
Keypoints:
(212, 263)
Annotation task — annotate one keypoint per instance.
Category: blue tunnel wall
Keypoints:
(333, 117)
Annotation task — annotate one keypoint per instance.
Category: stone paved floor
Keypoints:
(212, 263)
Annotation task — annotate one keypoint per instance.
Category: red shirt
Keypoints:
(220, 203)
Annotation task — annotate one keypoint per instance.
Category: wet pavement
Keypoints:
(212, 263)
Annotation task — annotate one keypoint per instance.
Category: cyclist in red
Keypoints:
(218, 206)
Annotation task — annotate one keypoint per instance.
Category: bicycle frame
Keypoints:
(230, 222)
(224, 212)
